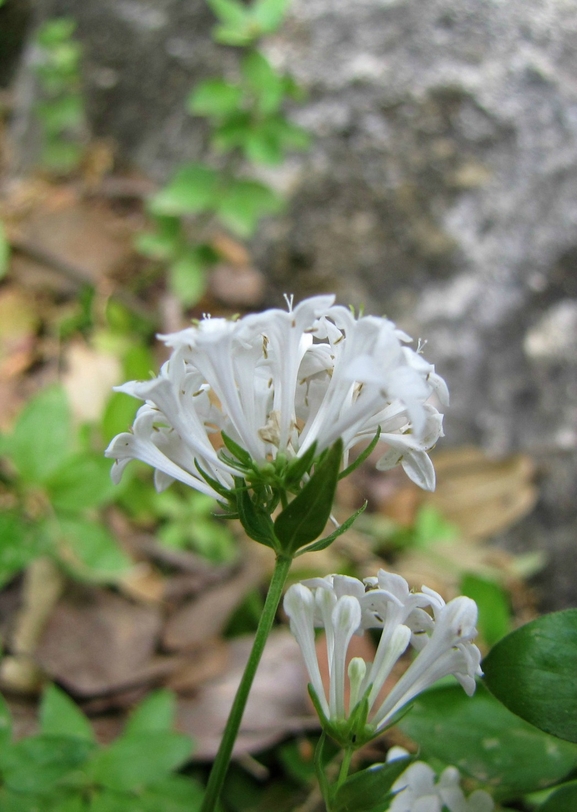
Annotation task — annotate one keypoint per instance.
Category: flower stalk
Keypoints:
(222, 761)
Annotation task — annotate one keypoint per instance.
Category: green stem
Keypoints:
(345, 766)
(220, 766)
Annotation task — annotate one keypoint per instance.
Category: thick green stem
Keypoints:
(222, 760)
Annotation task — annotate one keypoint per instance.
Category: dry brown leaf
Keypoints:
(42, 586)
(277, 704)
(235, 286)
(206, 616)
(207, 662)
(88, 380)
(483, 496)
(97, 642)
(18, 325)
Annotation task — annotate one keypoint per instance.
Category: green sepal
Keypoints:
(214, 484)
(362, 456)
(323, 543)
(256, 522)
(237, 451)
(300, 466)
(304, 519)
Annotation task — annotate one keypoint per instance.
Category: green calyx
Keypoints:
(351, 733)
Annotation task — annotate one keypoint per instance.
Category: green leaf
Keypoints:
(194, 188)
(5, 725)
(42, 437)
(61, 114)
(305, 517)
(60, 716)
(174, 794)
(493, 603)
(19, 544)
(158, 246)
(4, 251)
(300, 466)
(270, 13)
(82, 481)
(37, 763)
(92, 552)
(533, 672)
(480, 737)
(264, 82)
(214, 98)
(188, 277)
(59, 155)
(256, 522)
(322, 544)
(139, 760)
(155, 713)
(365, 790)
(118, 415)
(564, 799)
(244, 202)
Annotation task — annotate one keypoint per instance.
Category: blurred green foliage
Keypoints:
(63, 769)
(248, 127)
(61, 108)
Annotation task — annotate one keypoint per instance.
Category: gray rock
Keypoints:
(441, 188)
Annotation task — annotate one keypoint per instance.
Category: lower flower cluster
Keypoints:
(417, 790)
(441, 633)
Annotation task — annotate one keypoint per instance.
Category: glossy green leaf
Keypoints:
(60, 716)
(37, 763)
(564, 799)
(305, 518)
(155, 713)
(366, 790)
(93, 553)
(139, 760)
(193, 188)
(82, 481)
(533, 671)
(42, 437)
(214, 98)
(486, 741)
(494, 607)
(4, 251)
(244, 203)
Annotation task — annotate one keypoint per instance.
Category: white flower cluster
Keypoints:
(279, 381)
(345, 606)
(418, 790)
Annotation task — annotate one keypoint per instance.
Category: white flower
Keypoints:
(345, 606)
(277, 382)
(418, 790)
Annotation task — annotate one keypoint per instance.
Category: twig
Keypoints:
(78, 276)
